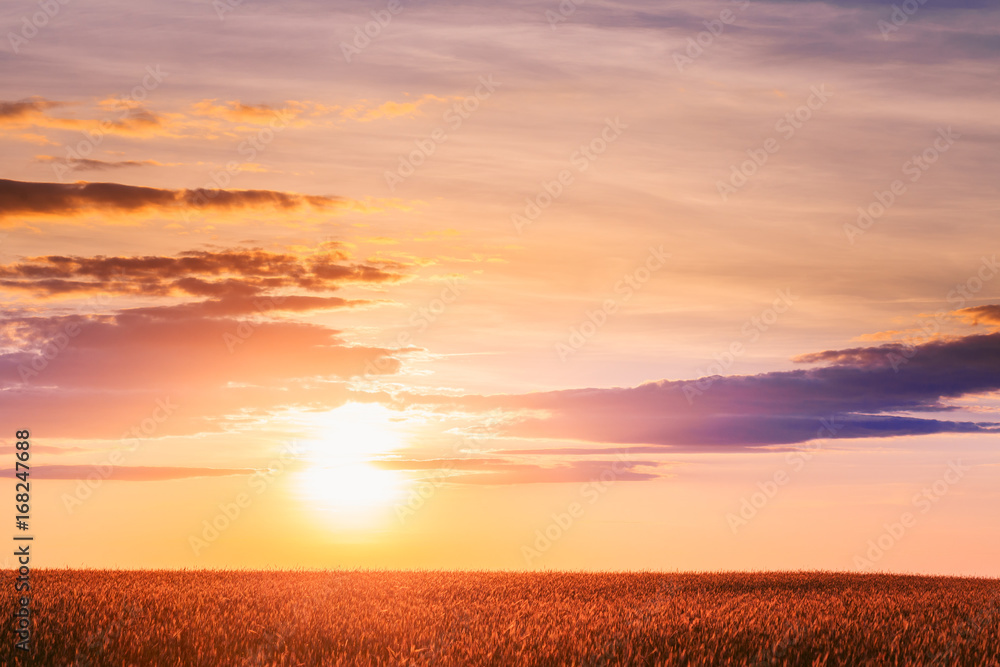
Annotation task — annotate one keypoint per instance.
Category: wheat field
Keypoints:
(99, 617)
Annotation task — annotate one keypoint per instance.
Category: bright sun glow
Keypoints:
(353, 432)
(341, 482)
(350, 487)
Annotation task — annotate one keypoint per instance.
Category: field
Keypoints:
(91, 617)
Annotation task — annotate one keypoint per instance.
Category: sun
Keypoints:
(350, 487)
(341, 483)
(354, 431)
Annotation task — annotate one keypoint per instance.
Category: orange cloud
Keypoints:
(256, 114)
(132, 119)
(206, 119)
(390, 109)
(988, 315)
(236, 111)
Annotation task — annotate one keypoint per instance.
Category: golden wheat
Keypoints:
(91, 617)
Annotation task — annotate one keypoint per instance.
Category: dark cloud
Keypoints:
(859, 393)
(69, 199)
(23, 109)
(235, 274)
(84, 164)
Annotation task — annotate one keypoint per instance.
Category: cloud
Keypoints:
(131, 118)
(19, 198)
(231, 306)
(104, 375)
(391, 109)
(23, 110)
(100, 412)
(95, 165)
(128, 473)
(136, 350)
(256, 114)
(858, 393)
(303, 113)
(883, 5)
(503, 471)
(216, 337)
(234, 276)
(989, 315)
(31, 119)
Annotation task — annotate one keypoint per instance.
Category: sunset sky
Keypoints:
(548, 285)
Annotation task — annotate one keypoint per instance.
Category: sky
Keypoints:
(531, 285)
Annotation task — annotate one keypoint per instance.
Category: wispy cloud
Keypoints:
(507, 471)
(86, 164)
